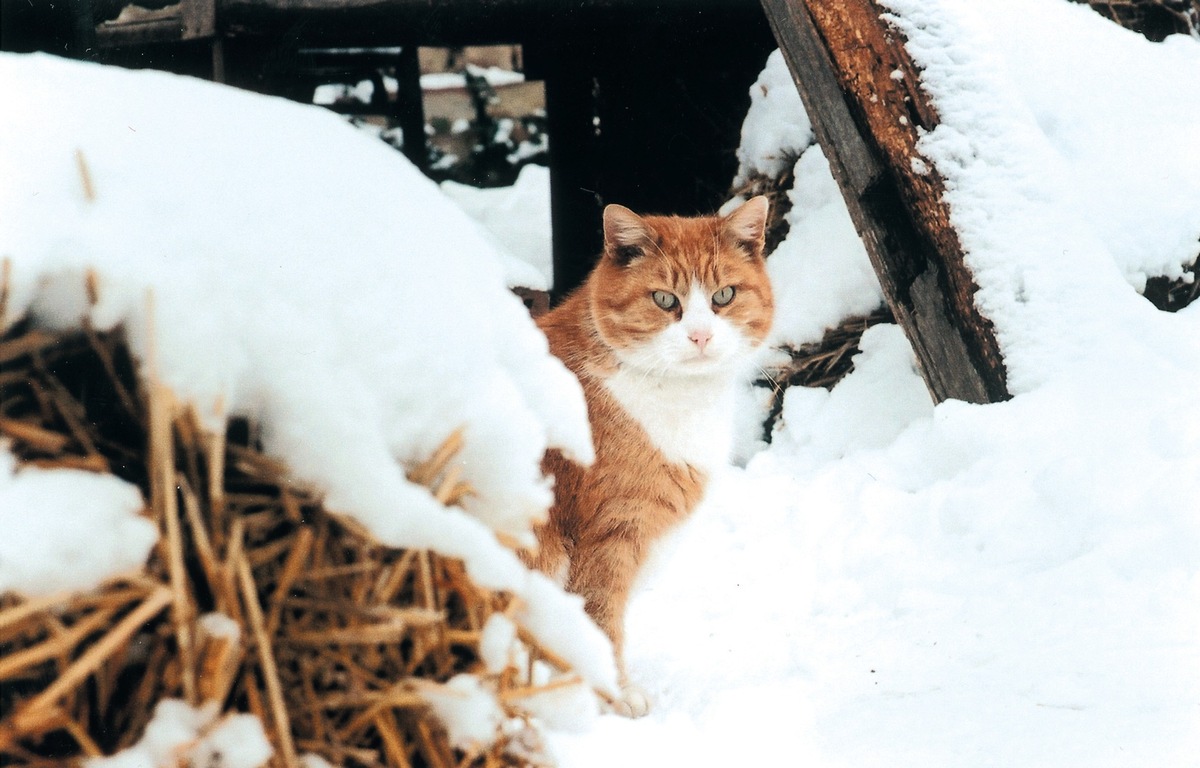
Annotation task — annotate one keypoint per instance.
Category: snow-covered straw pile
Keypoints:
(179, 258)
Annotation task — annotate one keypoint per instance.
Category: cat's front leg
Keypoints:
(633, 702)
(604, 566)
(551, 556)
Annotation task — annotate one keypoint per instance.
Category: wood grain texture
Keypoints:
(863, 94)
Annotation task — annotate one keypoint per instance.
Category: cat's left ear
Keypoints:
(747, 226)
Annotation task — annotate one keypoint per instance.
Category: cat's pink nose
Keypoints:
(701, 338)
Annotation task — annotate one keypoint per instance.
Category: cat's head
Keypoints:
(682, 296)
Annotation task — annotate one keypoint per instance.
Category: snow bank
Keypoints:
(1120, 115)
(897, 585)
(275, 263)
(518, 217)
(820, 272)
(1070, 182)
(776, 129)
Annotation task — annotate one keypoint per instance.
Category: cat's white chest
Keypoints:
(688, 419)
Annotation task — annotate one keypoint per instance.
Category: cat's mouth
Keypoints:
(701, 361)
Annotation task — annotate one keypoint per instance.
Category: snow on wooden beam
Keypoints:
(863, 95)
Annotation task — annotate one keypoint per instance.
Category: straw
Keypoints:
(336, 632)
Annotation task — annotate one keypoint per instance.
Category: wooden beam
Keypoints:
(410, 107)
(575, 204)
(863, 94)
(456, 22)
(647, 117)
(199, 19)
(156, 29)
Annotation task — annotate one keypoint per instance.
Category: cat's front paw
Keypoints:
(632, 703)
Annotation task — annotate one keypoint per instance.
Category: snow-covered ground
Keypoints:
(894, 584)
(889, 583)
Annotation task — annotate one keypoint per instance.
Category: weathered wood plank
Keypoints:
(199, 18)
(155, 30)
(575, 152)
(863, 94)
(454, 22)
(410, 109)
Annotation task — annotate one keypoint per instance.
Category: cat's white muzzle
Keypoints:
(699, 343)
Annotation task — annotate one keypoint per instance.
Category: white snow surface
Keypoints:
(269, 260)
(180, 734)
(66, 529)
(518, 217)
(776, 129)
(570, 708)
(892, 583)
(1071, 175)
(495, 76)
(469, 711)
(820, 271)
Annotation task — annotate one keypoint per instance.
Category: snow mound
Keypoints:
(820, 271)
(180, 734)
(1070, 175)
(67, 530)
(518, 217)
(776, 129)
(269, 261)
(300, 274)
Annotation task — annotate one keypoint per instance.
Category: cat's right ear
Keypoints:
(626, 235)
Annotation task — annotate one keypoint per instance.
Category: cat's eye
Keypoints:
(723, 296)
(665, 300)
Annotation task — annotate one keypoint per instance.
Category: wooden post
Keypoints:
(863, 95)
(410, 108)
(575, 204)
(199, 19)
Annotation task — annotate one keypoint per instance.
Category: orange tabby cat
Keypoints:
(658, 336)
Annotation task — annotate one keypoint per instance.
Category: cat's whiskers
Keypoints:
(658, 247)
(767, 376)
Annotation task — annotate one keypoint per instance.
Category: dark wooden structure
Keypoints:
(645, 98)
(842, 56)
(1156, 19)
(645, 101)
